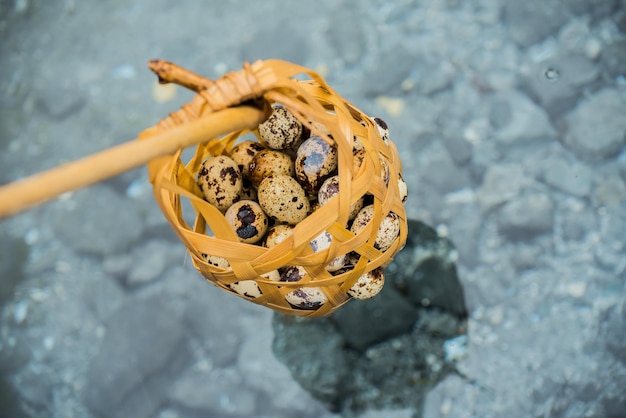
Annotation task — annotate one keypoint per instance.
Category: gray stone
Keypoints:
(326, 374)
(211, 316)
(347, 39)
(597, 128)
(150, 261)
(501, 183)
(60, 104)
(102, 296)
(142, 351)
(388, 315)
(223, 393)
(531, 21)
(557, 83)
(527, 216)
(385, 74)
(459, 149)
(379, 354)
(465, 227)
(614, 58)
(610, 189)
(523, 120)
(281, 40)
(97, 220)
(426, 271)
(13, 258)
(438, 169)
(569, 176)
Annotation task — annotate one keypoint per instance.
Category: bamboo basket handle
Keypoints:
(22, 194)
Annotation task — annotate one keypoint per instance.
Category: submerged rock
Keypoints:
(388, 351)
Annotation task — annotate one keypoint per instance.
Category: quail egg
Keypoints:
(281, 130)
(283, 199)
(250, 288)
(217, 261)
(268, 162)
(316, 160)
(321, 243)
(403, 189)
(369, 284)
(243, 153)
(277, 234)
(330, 189)
(220, 180)
(304, 297)
(247, 220)
(383, 129)
(388, 230)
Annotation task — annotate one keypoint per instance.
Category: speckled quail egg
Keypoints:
(304, 297)
(369, 284)
(383, 129)
(385, 172)
(321, 243)
(220, 180)
(268, 162)
(316, 160)
(247, 220)
(403, 189)
(277, 234)
(248, 191)
(250, 288)
(283, 199)
(388, 230)
(217, 261)
(281, 130)
(330, 189)
(243, 153)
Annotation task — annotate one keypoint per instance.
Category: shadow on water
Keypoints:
(389, 351)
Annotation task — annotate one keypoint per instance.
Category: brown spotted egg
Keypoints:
(330, 189)
(304, 297)
(250, 288)
(383, 129)
(277, 234)
(243, 153)
(269, 162)
(281, 130)
(403, 189)
(283, 199)
(388, 230)
(220, 180)
(247, 220)
(217, 261)
(369, 284)
(316, 160)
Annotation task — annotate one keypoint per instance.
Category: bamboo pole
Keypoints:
(36, 189)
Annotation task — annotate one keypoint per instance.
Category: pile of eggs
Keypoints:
(265, 188)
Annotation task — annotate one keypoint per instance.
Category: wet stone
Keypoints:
(142, 351)
(597, 128)
(569, 176)
(388, 79)
(223, 393)
(13, 257)
(348, 40)
(439, 169)
(531, 21)
(614, 58)
(558, 82)
(117, 225)
(526, 216)
(522, 120)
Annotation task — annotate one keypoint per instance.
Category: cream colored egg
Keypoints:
(283, 199)
(277, 234)
(247, 220)
(316, 160)
(369, 285)
(330, 189)
(388, 230)
(269, 162)
(243, 153)
(281, 130)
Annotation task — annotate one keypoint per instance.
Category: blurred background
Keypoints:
(509, 117)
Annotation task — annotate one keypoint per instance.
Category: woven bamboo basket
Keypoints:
(314, 103)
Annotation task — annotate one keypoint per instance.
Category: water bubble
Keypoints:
(552, 74)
